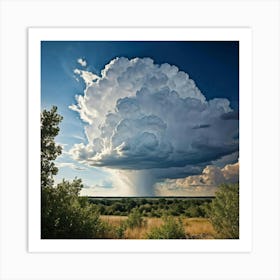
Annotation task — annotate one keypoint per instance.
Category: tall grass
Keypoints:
(195, 228)
(199, 228)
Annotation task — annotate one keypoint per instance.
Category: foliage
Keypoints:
(172, 228)
(152, 207)
(66, 215)
(134, 219)
(224, 211)
(63, 213)
(49, 150)
(120, 231)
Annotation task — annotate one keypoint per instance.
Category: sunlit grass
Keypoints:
(200, 228)
(195, 228)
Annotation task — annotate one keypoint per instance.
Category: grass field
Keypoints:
(195, 228)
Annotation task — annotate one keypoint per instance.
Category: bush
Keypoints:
(66, 215)
(110, 231)
(135, 219)
(172, 228)
(120, 230)
(193, 211)
(223, 212)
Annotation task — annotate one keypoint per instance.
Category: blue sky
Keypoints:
(212, 65)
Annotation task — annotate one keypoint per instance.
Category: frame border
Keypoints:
(263, 17)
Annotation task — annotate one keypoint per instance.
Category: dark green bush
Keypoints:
(66, 215)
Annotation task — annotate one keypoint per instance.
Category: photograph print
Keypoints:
(139, 140)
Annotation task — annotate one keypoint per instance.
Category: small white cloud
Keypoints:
(98, 191)
(82, 62)
(78, 136)
(69, 165)
(87, 76)
(76, 78)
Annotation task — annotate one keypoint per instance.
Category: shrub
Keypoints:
(66, 215)
(120, 230)
(112, 231)
(135, 219)
(172, 228)
(193, 211)
(223, 211)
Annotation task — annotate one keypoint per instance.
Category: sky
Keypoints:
(144, 118)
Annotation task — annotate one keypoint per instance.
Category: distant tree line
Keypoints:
(152, 207)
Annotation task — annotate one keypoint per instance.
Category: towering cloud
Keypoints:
(151, 121)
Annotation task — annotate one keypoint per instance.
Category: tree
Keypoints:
(64, 214)
(223, 211)
(49, 150)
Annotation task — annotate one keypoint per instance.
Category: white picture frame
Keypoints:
(261, 261)
(243, 35)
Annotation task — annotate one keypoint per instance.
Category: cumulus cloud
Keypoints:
(144, 116)
(204, 184)
(82, 62)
